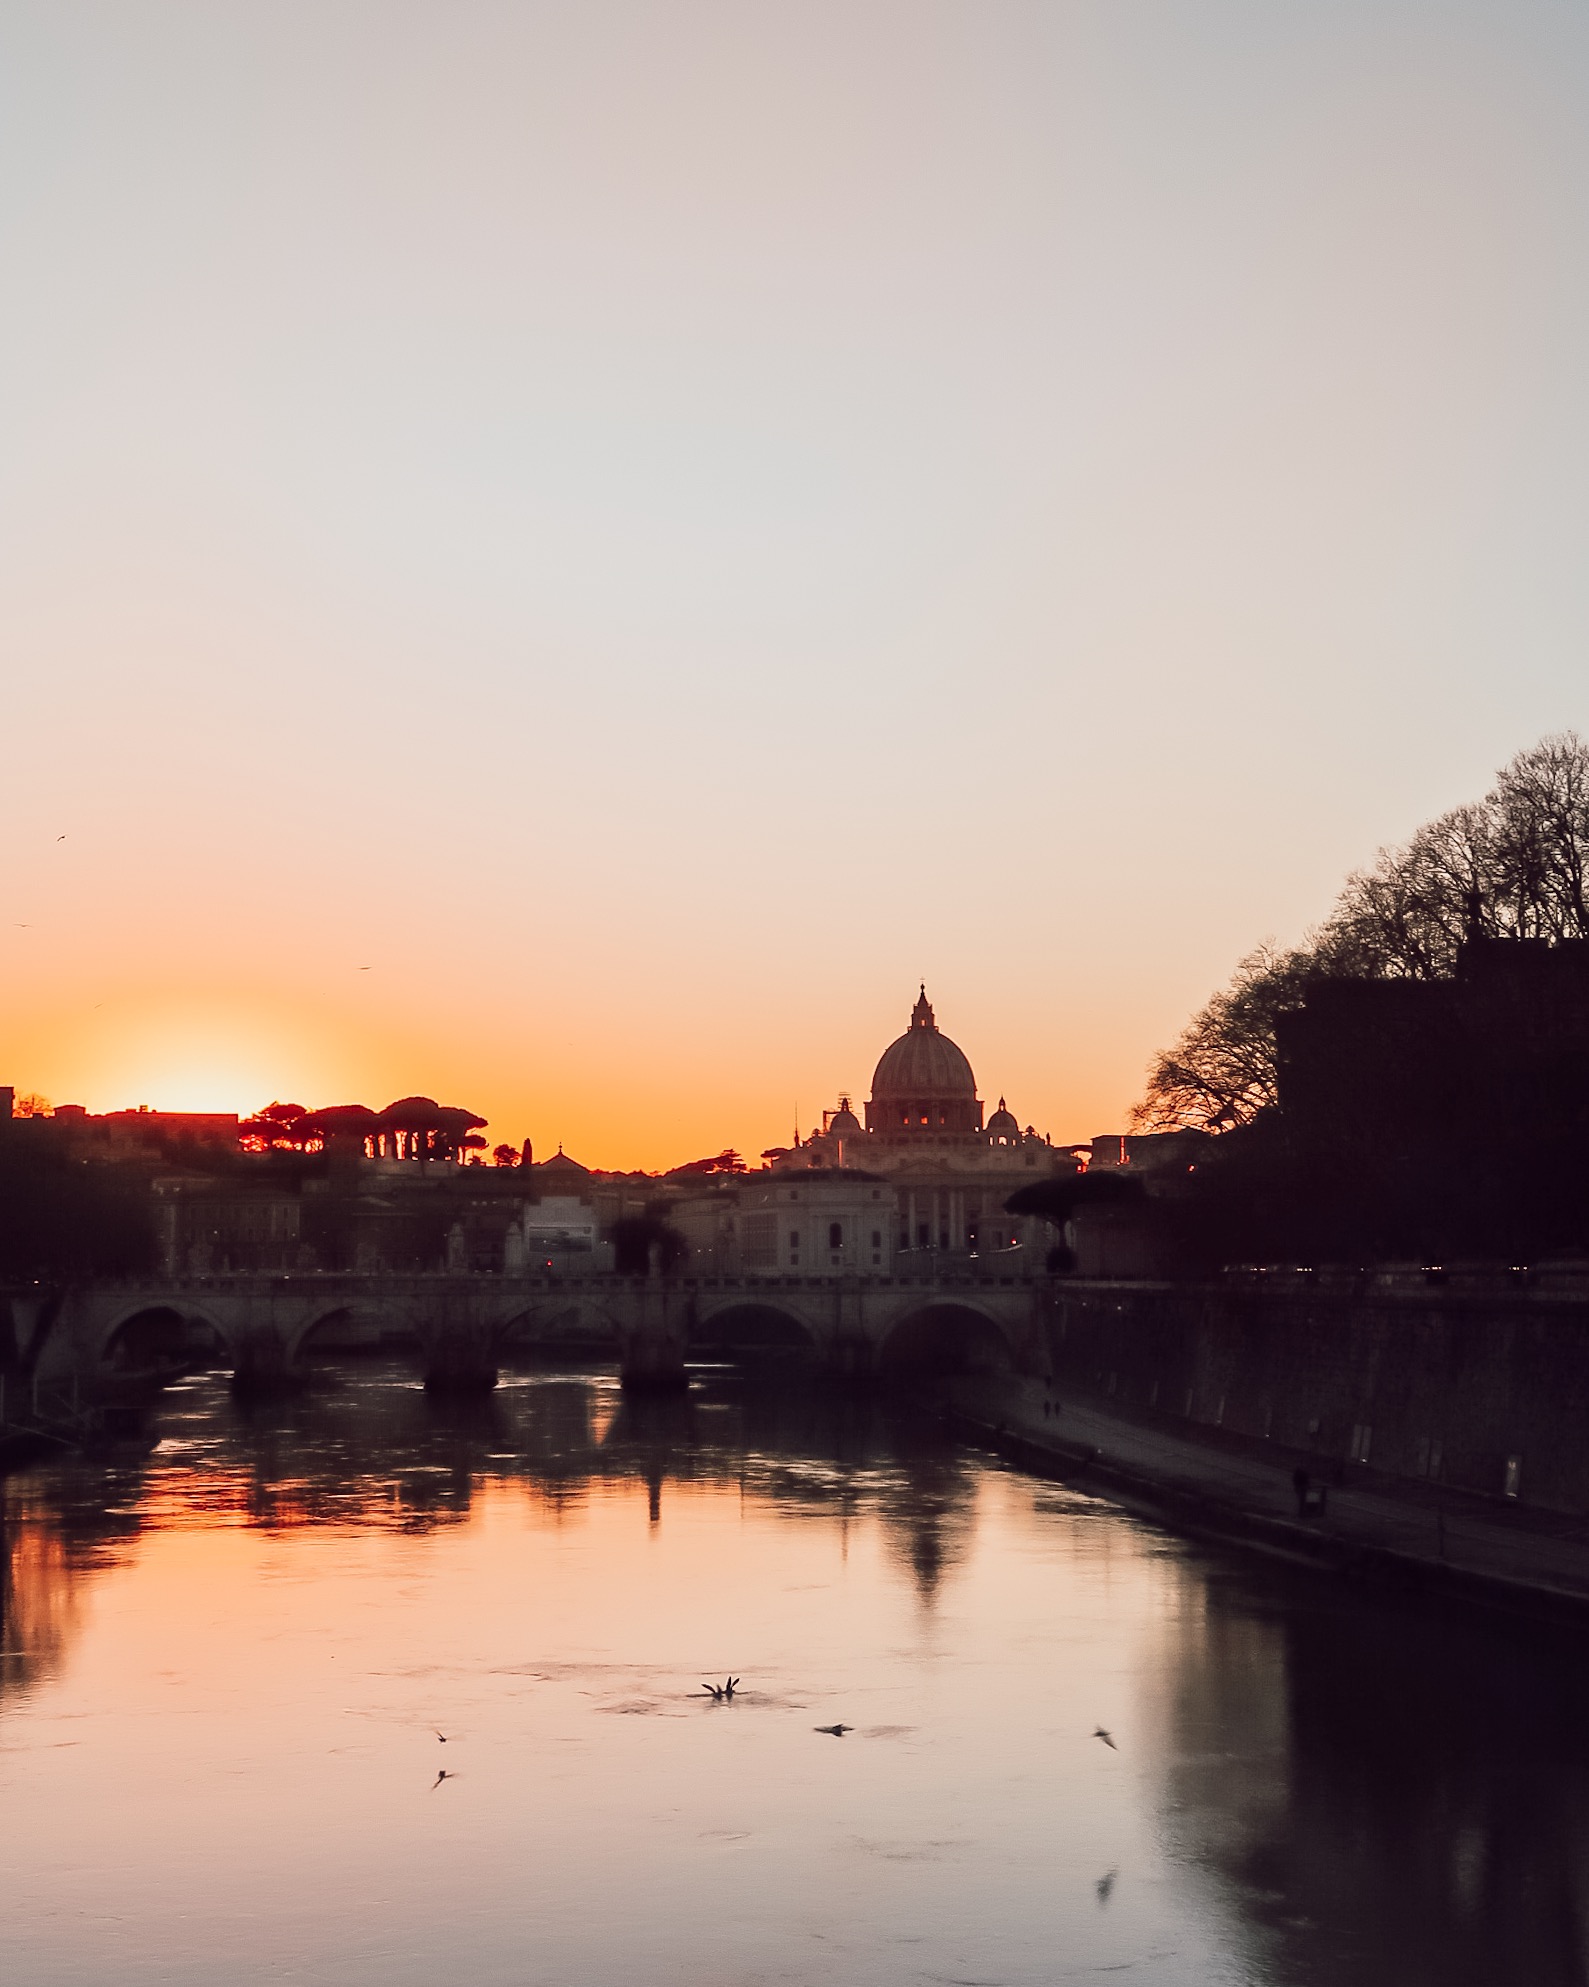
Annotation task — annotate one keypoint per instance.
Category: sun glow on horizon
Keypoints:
(193, 1059)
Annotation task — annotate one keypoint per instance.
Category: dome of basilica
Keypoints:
(923, 1081)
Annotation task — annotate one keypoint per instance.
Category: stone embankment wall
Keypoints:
(1479, 1382)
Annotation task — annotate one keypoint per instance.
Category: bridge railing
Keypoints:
(311, 1282)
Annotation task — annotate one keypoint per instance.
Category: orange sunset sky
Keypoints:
(565, 556)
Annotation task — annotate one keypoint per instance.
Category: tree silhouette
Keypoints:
(726, 1161)
(273, 1129)
(337, 1126)
(641, 1241)
(1516, 865)
(421, 1129)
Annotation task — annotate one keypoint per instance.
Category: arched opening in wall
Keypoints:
(945, 1339)
(348, 1334)
(754, 1333)
(162, 1342)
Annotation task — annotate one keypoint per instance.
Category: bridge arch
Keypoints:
(348, 1328)
(163, 1334)
(571, 1319)
(945, 1335)
(751, 1324)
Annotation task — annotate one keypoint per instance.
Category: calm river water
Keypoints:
(226, 1663)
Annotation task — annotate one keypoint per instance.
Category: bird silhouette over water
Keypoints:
(1100, 1733)
(837, 1731)
(440, 1735)
(722, 1693)
(442, 1775)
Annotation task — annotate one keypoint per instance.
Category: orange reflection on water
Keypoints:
(233, 1766)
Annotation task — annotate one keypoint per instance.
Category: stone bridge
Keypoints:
(463, 1324)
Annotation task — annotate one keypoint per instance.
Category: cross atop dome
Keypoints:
(921, 1013)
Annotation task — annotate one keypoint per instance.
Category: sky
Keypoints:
(565, 557)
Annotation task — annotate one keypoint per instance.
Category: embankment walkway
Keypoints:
(1424, 1538)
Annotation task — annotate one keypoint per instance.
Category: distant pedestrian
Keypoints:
(1301, 1483)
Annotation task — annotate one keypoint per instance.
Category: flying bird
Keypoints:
(836, 1731)
(1100, 1733)
(440, 1735)
(722, 1693)
(442, 1775)
(60, 838)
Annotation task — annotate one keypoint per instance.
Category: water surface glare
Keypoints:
(227, 1662)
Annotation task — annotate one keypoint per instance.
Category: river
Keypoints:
(238, 1657)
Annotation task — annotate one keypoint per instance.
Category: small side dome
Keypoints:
(844, 1123)
(1004, 1127)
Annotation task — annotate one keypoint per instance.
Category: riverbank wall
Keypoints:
(1476, 1381)
(1422, 1543)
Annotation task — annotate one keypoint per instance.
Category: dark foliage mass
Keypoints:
(422, 1127)
(63, 1217)
(1266, 1196)
(726, 1161)
(643, 1241)
(1514, 866)
(1058, 1199)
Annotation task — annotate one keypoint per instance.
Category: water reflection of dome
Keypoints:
(929, 1522)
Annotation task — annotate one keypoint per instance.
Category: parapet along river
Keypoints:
(367, 1690)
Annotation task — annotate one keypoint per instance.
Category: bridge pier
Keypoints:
(461, 1361)
(652, 1351)
(262, 1366)
(852, 1360)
